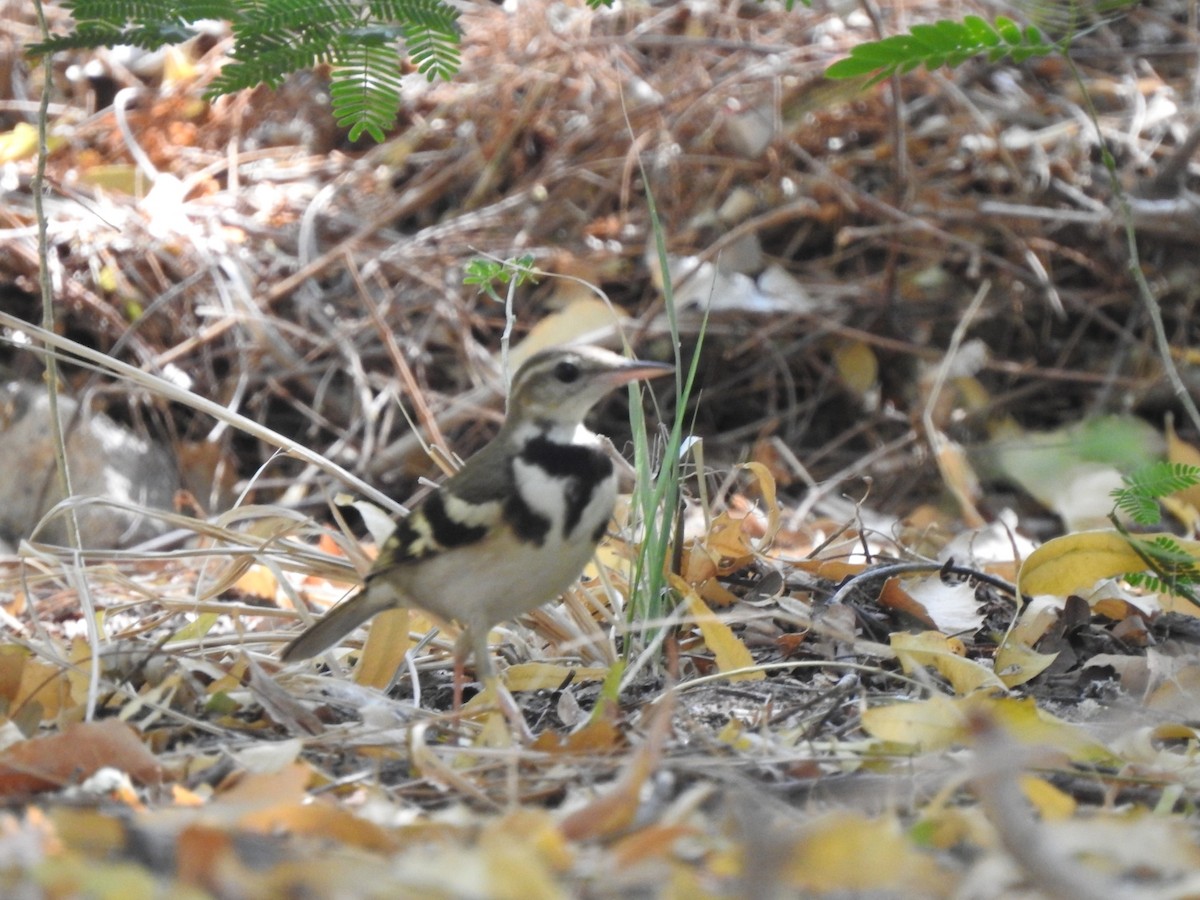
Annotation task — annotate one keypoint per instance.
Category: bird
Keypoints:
(515, 526)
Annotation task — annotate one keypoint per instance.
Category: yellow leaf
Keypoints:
(1038, 728)
(258, 581)
(941, 722)
(856, 365)
(18, 144)
(732, 734)
(766, 487)
(548, 677)
(197, 628)
(730, 653)
(177, 67)
(849, 853)
(1017, 663)
(513, 865)
(580, 318)
(932, 724)
(47, 686)
(1052, 804)
(932, 648)
(1180, 451)
(387, 642)
(960, 478)
(1072, 562)
(123, 177)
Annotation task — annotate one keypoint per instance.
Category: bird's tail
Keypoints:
(336, 624)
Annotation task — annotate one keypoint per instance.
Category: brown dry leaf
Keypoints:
(280, 705)
(209, 474)
(327, 543)
(201, 851)
(653, 842)
(320, 819)
(893, 596)
(616, 809)
(766, 453)
(596, 737)
(51, 762)
(263, 790)
(834, 570)
(45, 686)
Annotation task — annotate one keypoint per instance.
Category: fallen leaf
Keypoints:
(383, 653)
(57, 760)
(730, 653)
(932, 648)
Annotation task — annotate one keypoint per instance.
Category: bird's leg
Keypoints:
(493, 686)
(461, 648)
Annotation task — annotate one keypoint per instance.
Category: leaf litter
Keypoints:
(822, 724)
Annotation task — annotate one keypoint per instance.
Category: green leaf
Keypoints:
(941, 43)
(366, 89)
(274, 38)
(851, 67)
(1008, 30)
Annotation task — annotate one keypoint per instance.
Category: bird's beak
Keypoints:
(634, 370)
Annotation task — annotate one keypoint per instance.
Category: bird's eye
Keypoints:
(566, 372)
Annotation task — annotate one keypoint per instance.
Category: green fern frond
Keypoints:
(366, 89)
(1145, 487)
(268, 60)
(1169, 555)
(1139, 508)
(273, 38)
(434, 54)
(1173, 568)
(294, 17)
(1164, 478)
(944, 43)
(431, 36)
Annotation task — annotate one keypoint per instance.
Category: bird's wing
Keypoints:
(461, 512)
